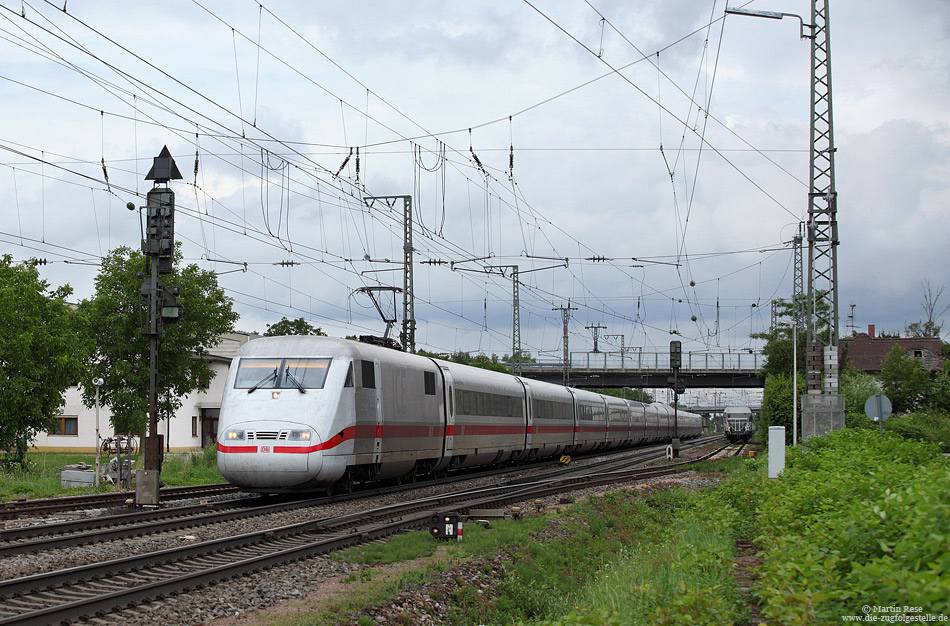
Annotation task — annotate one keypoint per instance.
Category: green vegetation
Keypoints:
(113, 323)
(618, 559)
(628, 393)
(777, 402)
(858, 519)
(41, 353)
(904, 380)
(920, 399)
(857, 387)
(192, 469)
(396, 550)
(298, 326)
(39, 478)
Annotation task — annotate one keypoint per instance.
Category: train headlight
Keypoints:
(300, 435)
(234, 435)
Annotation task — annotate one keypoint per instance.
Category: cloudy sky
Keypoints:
(656, 149)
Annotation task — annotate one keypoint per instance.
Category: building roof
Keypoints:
(868, 353)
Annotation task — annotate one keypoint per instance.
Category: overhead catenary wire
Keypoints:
(493, 201)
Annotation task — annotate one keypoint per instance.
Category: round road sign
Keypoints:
(878, 407)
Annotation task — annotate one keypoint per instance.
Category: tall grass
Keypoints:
(195, 468)
(41, 476)
(617, 559)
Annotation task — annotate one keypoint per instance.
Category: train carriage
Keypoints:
(638, 422)
(490, 417)
(739, 424)
(618, 422)
(305, 413)
(552, 419)
(590, 411)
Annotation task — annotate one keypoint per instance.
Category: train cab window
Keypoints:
(257, 374)
(349, 376)
(300, 374)
(429, 383)
(305, 373)
(369, 375)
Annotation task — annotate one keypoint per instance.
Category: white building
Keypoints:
(193, 426)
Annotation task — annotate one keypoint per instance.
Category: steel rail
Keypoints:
(37, 538)
(20, 508)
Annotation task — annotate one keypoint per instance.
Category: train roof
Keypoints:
(737, 411)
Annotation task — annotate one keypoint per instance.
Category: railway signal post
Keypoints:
(158, 245)
(678, 386)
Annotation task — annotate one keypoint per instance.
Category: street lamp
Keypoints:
(97, 382)
(773, 15)
(823, 407)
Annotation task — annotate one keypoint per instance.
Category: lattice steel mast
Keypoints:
(822, 215)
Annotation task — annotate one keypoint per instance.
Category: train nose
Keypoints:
(257, 459)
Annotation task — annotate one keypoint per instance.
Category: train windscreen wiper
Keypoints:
(263, 380)
(294, 380)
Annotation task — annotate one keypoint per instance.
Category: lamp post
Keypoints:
(97, 382)
(772, 15)
(795, 382)
(823, 407)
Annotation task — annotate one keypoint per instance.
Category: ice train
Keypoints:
(304, 413)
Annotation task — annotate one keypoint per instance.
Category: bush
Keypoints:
(933, 427)
(857, 519)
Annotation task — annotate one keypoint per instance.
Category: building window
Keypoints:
(918, 354)
(65, 425)
(194, 425)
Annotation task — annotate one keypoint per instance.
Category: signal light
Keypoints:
(445, 526)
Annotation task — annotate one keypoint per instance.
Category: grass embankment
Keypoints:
(623, 558)
(41, 479)
(858, 519)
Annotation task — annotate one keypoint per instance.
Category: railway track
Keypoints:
(38, 538)
(36, 508)
(99, 588)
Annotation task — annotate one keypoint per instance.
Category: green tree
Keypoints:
(481, 359)
(777, 402)
(115, 318)
(299, 326)
(628, 393)
(938, 393)
(778, 349)
(857, 387)
(41, 350)
(904, 380)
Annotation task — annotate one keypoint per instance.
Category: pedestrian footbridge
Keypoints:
(731, 370)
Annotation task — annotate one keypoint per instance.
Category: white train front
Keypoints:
(302, 413)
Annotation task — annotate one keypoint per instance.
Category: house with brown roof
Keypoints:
(867, 352)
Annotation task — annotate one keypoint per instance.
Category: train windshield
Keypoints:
(281, 373)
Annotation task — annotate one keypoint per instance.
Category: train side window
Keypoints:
(429, 383)
(369, 375)
(349, 376)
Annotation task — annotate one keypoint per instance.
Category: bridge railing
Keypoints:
(658, 361)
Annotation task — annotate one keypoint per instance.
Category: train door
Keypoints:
(529, 419)
(378, 433)
(449, 444)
